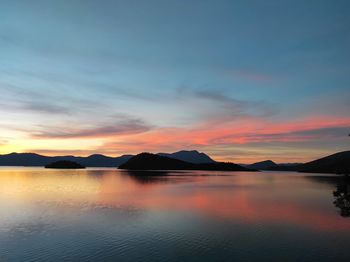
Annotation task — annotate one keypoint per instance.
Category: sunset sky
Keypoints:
(239, 80)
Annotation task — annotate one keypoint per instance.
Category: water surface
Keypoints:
(112, 215)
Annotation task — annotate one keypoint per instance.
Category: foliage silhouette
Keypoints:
(342, 196)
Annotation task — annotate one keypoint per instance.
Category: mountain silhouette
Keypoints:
(24, 159)
(338, 163)
(262, 165)
(194, 160)
(192, 156)
(32, 159)
(64, 164)
(96, 160)
(148, 161)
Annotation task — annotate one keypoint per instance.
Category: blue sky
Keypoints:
(127, 76)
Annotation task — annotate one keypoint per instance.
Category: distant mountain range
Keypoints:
(96, 160)
(32, 159)
(272, 166)
(147, 161)
(336, 163)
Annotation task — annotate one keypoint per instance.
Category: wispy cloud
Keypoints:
(214, 105)
(287, 136)
(235, 107)
(45, 108)
(25, 106)
(249, 131)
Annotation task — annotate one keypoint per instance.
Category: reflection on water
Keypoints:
(112, 215)
(341, 191)
(147, 177)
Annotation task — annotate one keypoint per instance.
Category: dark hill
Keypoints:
(263, 165)
(147, 161)
(64, 165)
(272, 166)
(98, 160)
(192, 156)
(338, 163)
(24, 159)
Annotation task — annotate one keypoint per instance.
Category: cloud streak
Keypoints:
(247, 132)
(126, 126)
(45, 108)
(235, 107)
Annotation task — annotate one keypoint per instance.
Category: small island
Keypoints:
(64, 164)
(148, 161)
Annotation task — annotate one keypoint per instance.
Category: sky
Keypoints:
(243, 80)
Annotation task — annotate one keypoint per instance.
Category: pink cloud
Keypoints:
(250, 130)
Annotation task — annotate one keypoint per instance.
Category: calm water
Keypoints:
(111, 215)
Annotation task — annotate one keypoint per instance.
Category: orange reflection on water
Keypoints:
(47, 185)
